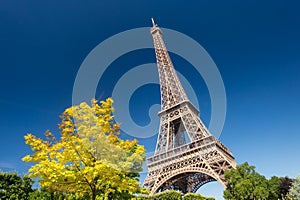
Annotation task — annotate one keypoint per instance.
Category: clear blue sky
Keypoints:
(255, 45)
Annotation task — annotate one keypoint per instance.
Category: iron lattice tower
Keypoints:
(187, 155)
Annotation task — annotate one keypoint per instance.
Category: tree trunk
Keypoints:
(94, 194)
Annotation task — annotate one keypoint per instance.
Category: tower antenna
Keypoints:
(153, 23)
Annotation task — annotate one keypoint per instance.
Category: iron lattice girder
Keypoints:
(206, 156)
(187, 182)
(171, 89)
(188, 116)
(178, 164)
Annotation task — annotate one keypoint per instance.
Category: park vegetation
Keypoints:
(295, 188)
(90, 161)
(245, 183)
(173, 195)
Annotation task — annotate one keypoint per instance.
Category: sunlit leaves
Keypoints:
(89, 158)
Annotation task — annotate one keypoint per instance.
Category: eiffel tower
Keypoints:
(187, 155)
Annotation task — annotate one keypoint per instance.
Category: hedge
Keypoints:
(173, 195)
(166, 195)
(192, 196)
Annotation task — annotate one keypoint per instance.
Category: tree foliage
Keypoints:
(192, 196)
(245, 183)
(44, 194)
(89, 158)
(274, 193)
(165, 195)
(284, 186)
(14, 187)
(295, 188)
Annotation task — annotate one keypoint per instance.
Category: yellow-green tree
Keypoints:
(89, 159)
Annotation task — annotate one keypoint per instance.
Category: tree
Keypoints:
(89, 158)
(295, 188)
(14, 187)
(284, 186)
(245, 183)
(44, 194)
(273, 188)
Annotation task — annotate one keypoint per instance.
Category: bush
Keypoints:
(173, 195)
(192, 196)
(166, 195)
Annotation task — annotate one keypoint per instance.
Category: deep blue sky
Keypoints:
(255, 45)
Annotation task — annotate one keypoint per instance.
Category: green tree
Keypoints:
(89, 158)
(245, 183)
(44, 194)
(295, 188)
(273, 188)
(14, 187)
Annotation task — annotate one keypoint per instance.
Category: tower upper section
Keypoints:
(172, 92)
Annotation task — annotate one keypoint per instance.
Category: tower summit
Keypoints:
(153, 23)
(187, 155)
